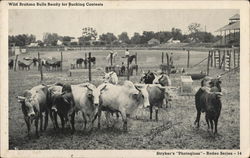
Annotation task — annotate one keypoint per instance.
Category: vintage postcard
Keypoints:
(124, 79)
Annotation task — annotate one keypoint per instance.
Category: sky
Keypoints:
(71, 22)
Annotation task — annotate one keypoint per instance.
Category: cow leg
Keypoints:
(107, 115)
(62, 121)
(151, 111)
(117, 115)
(85, 121)
(27, 121)
(36, 124)
(41, 122)
(208, 127)
(124, 119)
(99, 118)
(72, 121)
(215, 126)
(46, 120)
(156, 114)
(91, 121)
(197, 120)
(55, 120)
(212, 125)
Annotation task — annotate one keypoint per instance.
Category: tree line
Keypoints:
(51, 39)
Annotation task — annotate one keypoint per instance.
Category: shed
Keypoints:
(186, 85)
(154, 41)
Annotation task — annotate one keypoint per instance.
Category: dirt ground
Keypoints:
(174, 130)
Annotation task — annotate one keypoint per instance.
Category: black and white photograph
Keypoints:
(96, 77)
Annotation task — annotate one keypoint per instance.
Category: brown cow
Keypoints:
(34, 103)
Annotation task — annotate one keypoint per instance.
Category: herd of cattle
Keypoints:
(25, 63)
(152, 92)
(77, 63)
(50, 63)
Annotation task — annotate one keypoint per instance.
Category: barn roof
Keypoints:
(235, 17)
(230, 26)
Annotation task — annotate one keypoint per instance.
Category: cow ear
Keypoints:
(137, 87)
(20, 99)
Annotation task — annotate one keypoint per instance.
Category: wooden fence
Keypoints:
(225, 59)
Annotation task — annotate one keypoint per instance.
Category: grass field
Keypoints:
(174, 130)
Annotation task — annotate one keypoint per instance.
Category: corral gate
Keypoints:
(225, 59)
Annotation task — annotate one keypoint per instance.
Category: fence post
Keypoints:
(15, 62)
(224, 59)
(219, 59)
(238, 63)
(211, 56)
(40, 65)
(234, 57)
(135, 58)
(229, 64)
(188, 59)
(215, 58)
(61, 60)
(208, 61)
(85, 63)
(111, 59)
(89, 66)
(128, 68)
(162, 57)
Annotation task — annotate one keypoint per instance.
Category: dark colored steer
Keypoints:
(92, 60)
(35, 61)
(55, 64)
(152, 78)
(148, 77)
(209, 101)
(34, 103)
(24, 65)
(79, 62)
(63, 105)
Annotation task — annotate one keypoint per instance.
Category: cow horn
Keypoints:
(88, 87)
(137, 88)
(218, 93)
(20, 98)
(205, 89)
(103, 88)
(111, 73)
(219, 77)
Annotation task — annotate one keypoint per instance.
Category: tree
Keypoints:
(176, 34)
(136, 39)
(163, 36)
(50, 38)
(22, 39)
(40, 43)
(89, 33)
(194, 27)
(146, 36)
(66, 40)
(124, 37)
(108, 37)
